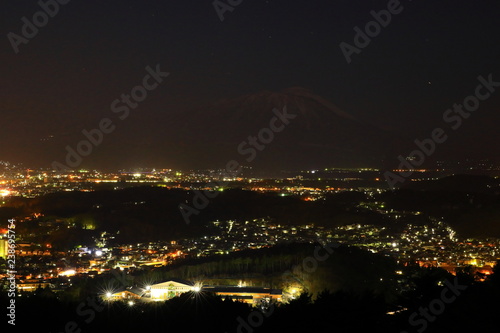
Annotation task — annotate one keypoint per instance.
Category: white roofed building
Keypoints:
(170, 289)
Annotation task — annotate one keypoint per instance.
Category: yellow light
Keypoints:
(4, 193)
(69, 272)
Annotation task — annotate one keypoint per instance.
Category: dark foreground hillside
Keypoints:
(437, 303)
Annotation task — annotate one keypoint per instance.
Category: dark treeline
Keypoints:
(281, 267)
(346, 268)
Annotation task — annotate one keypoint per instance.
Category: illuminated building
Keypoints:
(31, 285)
(250, 295)
(170, 289)
(4, 247)
(127, 294)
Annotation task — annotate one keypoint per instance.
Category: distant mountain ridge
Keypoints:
(321, 134)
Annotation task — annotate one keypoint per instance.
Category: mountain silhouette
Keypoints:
(319, 135)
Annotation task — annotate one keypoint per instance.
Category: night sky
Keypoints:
(66, 77)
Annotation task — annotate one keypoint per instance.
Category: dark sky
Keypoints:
(65, 78)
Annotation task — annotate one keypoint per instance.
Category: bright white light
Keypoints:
(70, 272)
(108, 295)
(4, 193)
(98, 253)
(131, 303)
(198, 286)
(148, 287)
